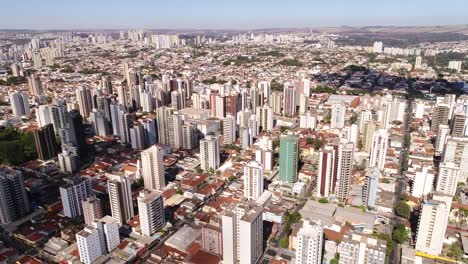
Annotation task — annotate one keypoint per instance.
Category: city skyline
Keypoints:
(239, 15)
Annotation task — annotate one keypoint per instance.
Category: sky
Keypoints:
(224, 14)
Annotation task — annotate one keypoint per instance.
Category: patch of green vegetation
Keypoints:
(89, 71)
(402, 209)
(276, 86)
(356, 68)
(400, 234)
(16, 147)
(291, 62)
(284, 242)
(13, 81)
(213, 80)
(323, 200)
(325, 89)
(67, 69)
(273, 53)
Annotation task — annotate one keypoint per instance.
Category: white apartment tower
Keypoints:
(253, 180)
(309, 243)
(72, 195)
(97, 239)
(379, 149)
(209, 153)
(153, 168)
(448, 178)
(242, 232)
(441, 139)
(120, 197)
(338, 116)
(19, 104)
(432, 226)
(151, 210)
(423, 182)
(229, 129)
(345, 170)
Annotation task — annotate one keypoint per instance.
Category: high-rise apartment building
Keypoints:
(441, 139)
(151, 212)
(14, 203)
(379, 149)
(423, 182)
(229, 129)
(345, 170)
(440, 116)
(153, 168)
(289, 100)
(289, 158)
(46, 146)
(338, 115)
(35, 85)
(19, 104)
(97, 239)
(120, 197)
(92, 209)
(83, 96)
(242, 227)
(309, 243)
(369, 190)
(448, 178)
(432, 226)
(209, 153)
(72, 194)
(253, 180)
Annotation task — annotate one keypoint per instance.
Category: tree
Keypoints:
(284, 242)
(353, 119)
(400, 234)
(402, 209)
(455, 251)
(323, 200)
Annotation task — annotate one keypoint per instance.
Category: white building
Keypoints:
(378, 47)
(379, 149)
(441, 139)
(242, 232)
(72, 195)
(253, 180)
(448, 178)
(229, 129)
(151, 211)
(455, 65)
(307, 120)
(120, 197)
(338, 115)
(423, 182)
(97, 239)
(89, 245)
(153, 168)
(432, 226)
(309, 243)
(209, 153)
(362, 249)
(265, 157)
(19, 104)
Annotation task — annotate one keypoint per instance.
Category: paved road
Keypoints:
(401, 185)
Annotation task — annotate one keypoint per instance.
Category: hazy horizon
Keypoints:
(219, 15)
